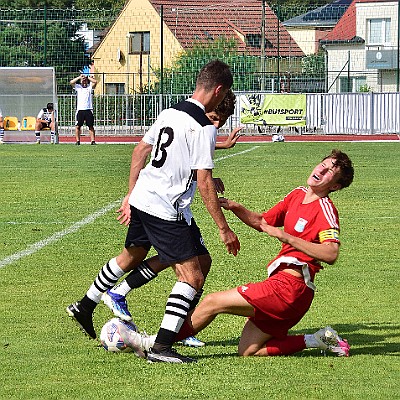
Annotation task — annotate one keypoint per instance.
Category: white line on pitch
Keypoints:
(236, 154)
(33, 248)
(78, 225)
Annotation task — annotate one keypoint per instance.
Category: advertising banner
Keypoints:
(273, 109)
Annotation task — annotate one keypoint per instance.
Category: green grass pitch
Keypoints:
(58, 227)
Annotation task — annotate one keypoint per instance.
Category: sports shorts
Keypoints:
(279, 302)
(174, 241)
(84, 116)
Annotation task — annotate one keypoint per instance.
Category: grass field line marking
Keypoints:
(75, 227)
(236, 154)
(58, 235)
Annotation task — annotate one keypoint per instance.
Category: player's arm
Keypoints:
(39, 117)
(93, 81)
(207, 191)
(231, 140)
(139, 157)
(75, 80)
(250, 218)
(326, 251)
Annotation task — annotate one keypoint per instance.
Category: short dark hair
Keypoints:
(50, 106)
(343, 161)
(213, 74)
(227, 106)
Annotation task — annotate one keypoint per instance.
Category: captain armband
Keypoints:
(329, 234)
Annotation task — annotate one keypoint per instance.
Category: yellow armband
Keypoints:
(329, 234)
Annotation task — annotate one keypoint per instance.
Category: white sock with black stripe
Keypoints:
(176, 311)
(106, 279)
(138, 277)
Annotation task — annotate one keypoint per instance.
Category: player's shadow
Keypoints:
(368, 338)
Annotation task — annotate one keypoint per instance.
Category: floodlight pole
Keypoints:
(263, 46)
(161, 57)
(278, 10)
(45, 37)
(398, 47)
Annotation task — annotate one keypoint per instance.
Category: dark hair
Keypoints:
(50, 106)
(213, 74)
(343, 161)
(227, 106)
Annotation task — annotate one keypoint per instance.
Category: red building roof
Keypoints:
(345, 30)
(194, 22)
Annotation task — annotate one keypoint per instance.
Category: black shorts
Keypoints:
(45, 125)
(174, 241)
(84, 116)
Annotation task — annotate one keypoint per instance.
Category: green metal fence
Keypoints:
(54, 37)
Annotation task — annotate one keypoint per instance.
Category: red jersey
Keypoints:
(315, 222)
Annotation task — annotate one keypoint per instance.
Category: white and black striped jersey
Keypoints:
(183, 141)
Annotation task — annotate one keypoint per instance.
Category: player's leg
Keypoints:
(136, 248)
(115, 298)
(149, 269)
(52, 132)
(82, 311)
(90, 124)
(324, 339)
(252, 341)
(78, 126)
(190, 280)
(225, 302)
(38, 128)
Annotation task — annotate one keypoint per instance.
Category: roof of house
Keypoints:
(345, 30)
(325, 16)
(193, 22)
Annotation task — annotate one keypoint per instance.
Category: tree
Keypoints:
(181, 77)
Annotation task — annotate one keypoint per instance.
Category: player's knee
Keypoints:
(247, 351)
(197, 281)
(205, 263)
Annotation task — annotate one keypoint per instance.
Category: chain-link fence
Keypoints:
(267, 58)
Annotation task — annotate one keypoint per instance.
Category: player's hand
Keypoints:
(272, 231)
(231, 241)
(124, 211)
(232, 138)
(219, 185)
(226, 203)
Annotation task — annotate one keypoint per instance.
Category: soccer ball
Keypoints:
(110, 337)
(278, 138)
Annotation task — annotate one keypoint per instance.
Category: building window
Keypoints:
(378, 31)
(115, 88)
(353, 85)
(139, 43)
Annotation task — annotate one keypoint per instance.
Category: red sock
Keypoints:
(286, 346)
(185, 332)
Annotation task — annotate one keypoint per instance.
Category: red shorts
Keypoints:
(279, 302)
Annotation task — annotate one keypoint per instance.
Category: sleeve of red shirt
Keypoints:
(275, 216)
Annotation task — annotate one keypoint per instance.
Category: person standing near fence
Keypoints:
(84, 105)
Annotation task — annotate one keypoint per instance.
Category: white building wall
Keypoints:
(376, 80)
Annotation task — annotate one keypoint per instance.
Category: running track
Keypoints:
(251, 139)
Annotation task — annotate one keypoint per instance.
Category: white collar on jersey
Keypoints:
(197, 103)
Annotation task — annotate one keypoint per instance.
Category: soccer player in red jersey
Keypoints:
(310, 236)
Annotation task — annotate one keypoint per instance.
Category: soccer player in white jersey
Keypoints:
(84, 106)
(46, 119)
(115, 298)
(310, 236)
(181, 143)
